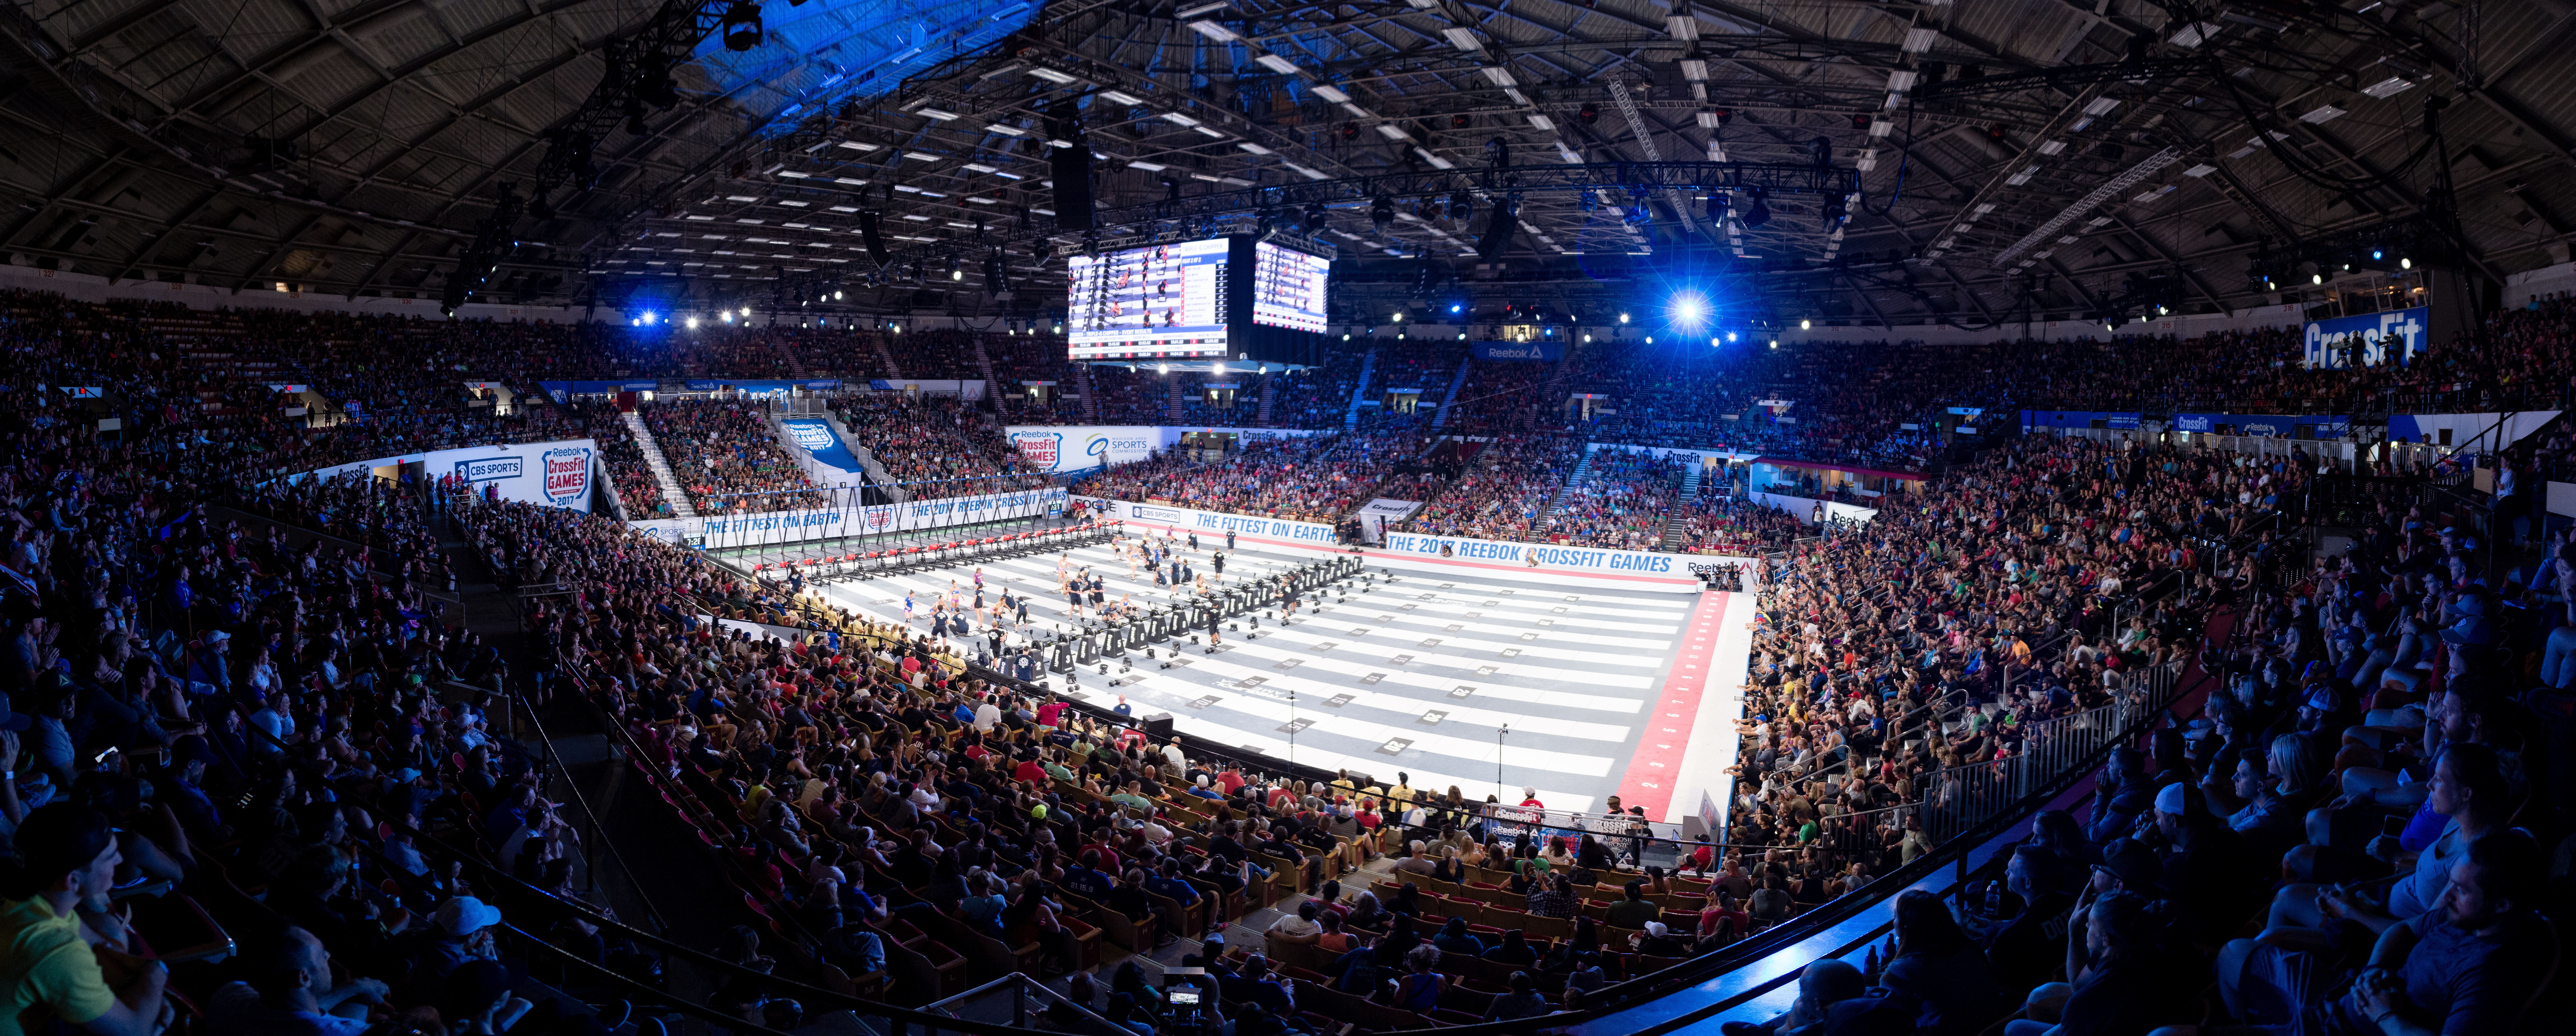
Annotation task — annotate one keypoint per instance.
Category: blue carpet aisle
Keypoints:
(1413, 675)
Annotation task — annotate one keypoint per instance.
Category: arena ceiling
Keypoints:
(357, 148)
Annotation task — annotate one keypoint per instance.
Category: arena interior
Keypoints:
(1245, 518)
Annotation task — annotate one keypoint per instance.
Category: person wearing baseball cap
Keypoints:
(67, 856)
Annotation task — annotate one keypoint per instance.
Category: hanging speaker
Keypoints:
(1505, 217)
(1073, 186)
(868, 233)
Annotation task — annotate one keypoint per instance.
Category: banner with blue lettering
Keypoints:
(1431, 551)
(816, 437)
(2368, 340)
(1547, 351)
(2275, 426)
(562, 390)
(826, 523)
(2079, 418)
(1083, 447)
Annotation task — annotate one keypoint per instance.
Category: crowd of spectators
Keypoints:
(1133, 396)
(1725, 523)
(935, 353)
(1504, 492)
(1502, 397)
(935, 446)
(728, 459)
(1621, 500)
(1320, 397)
(2354, 836)
(1316, 478)
(220, 739)
(2369, 789)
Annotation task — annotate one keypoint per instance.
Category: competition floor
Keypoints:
(1419, 673)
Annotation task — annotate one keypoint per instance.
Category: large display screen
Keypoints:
(1288, 287)
(1161, 301)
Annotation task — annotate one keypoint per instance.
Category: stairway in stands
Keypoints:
(1675, 530)
(984, 365)
(1572, 479)
(1455, 383)
(1173, 410)
(886, 358)
(1090, 392)
(1368, 367)
(795, 359)
(1269, 391)
(662, 474)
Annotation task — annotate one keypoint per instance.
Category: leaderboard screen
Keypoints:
(1288, 287)
(1160, 301)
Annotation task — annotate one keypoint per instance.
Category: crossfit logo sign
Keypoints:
(567, 475)
(491, 469)
(812, 435)
(1040, 448)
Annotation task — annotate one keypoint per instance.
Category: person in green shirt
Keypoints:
(46, 971)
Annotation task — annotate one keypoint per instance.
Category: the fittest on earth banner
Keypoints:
(766, 528)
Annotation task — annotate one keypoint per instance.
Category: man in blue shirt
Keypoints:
(1086, 880)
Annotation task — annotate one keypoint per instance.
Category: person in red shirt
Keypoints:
(1230, 781)
(1032, 771)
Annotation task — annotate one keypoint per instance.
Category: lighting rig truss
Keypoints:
(2399, 246)
(2140, 69)
(1438, 184)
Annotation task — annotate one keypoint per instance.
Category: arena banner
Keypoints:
(2121, 419)
(563, 391)
(1083, 447)
(831, 460)
(772, 528)
(1377, 514)
(1546, 351)
(1427, 551)
(1074, 447)
(2368, 340)
(760, 389)
(2273, 426)
(555, 474)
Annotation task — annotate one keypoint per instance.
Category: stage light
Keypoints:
(725, 315)
(1689, 308)
(1463, 337)
(742, 26)
(2377, 254)
(1775, 343)
(1650, 339)
(1730, 336)
(1623, 318)
(1806, 324)
(693, 323)
(1712, 343)
(1454, 307)
(1162, 368)
(2316, 278)
(836, 296)
(1399, 317)
(2405, 264)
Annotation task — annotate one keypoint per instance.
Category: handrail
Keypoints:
(599, 833)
